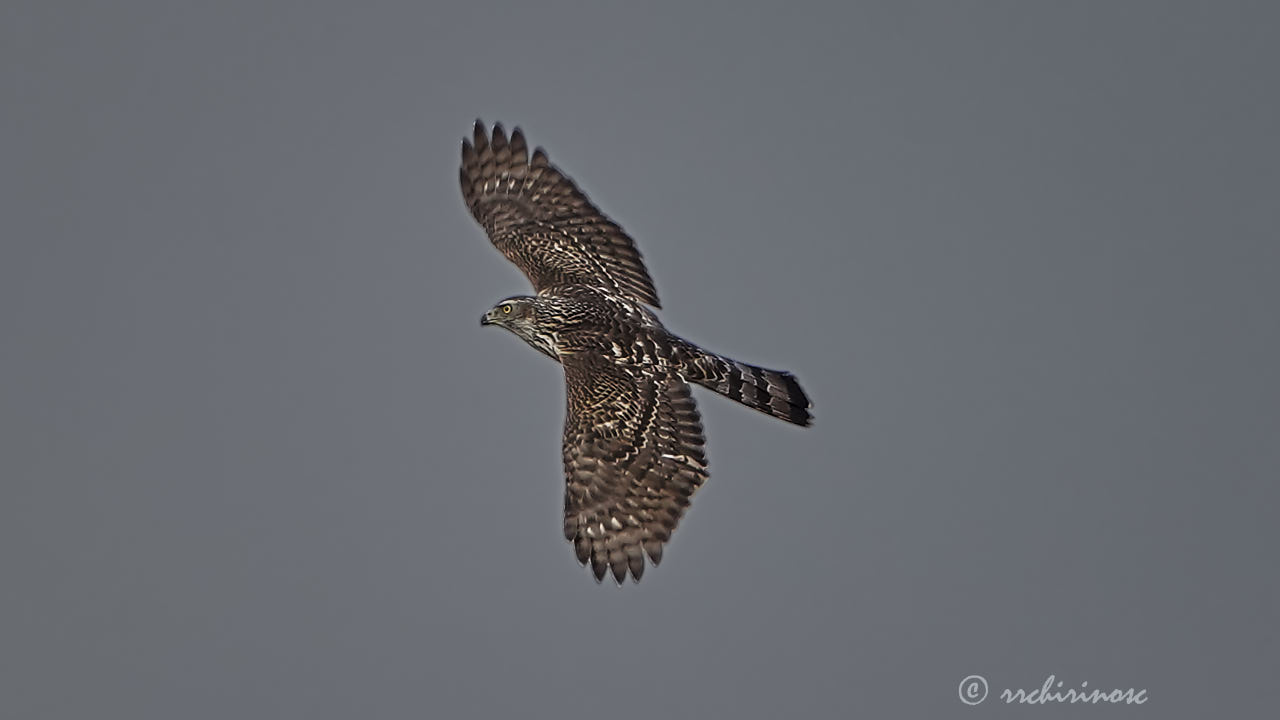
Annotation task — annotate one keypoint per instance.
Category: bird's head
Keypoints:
(519, 315)
(511, 313)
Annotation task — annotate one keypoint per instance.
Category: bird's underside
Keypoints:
(633, 442)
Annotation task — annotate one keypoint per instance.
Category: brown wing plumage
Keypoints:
(542, 222)
(633, 459)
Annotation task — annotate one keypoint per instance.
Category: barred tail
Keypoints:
(771, 391)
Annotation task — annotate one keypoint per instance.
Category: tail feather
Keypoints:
(770, 391)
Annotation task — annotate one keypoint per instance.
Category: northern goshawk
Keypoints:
(632, 436)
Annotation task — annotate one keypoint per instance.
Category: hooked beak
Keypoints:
(487, 318)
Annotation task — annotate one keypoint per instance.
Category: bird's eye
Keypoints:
(506, 309)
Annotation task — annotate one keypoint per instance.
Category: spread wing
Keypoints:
(542, 222)
(633, 459)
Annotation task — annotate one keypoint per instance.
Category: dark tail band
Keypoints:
(770, 391)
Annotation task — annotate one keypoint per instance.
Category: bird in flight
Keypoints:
(633, 439)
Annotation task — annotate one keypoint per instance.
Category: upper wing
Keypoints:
(543, 223)
(633, 459)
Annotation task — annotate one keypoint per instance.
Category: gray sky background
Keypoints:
(259, 459)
